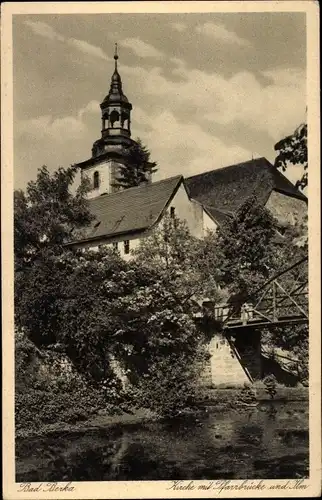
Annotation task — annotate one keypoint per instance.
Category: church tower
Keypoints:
(108, 152)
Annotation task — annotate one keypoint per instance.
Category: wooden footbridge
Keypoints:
(282, 300)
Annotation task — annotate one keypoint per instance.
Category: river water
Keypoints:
(269, 441)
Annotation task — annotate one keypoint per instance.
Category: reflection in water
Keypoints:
(268, 442)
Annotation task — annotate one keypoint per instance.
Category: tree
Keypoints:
(48, 298)
(294, 338)
(293, 150)
(165, 348)
(47, 213)
(188, 261)
(44, 219)
(249, 250)
(137, 168)
(294, 341)
(245, 250)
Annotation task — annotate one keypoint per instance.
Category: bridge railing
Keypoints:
(283, 298)
(270, 309)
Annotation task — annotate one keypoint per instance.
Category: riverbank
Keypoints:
(218, 399)
(225, 394)
(96, 422)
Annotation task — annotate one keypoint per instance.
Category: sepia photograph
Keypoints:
(161, 313)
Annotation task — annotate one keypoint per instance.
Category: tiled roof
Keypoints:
(226, 189)
(133, 209)
(217, 215)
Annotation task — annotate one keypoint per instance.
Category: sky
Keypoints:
(208, 90)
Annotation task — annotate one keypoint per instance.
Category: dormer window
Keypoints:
(96, 180)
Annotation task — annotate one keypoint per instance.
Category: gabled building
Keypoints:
(123, 218)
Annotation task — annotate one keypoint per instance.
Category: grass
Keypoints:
(227, 394)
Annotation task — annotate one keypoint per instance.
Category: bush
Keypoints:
(49, 390)
(171, 391)
(270, 385)
(247, 395)
(36, 408)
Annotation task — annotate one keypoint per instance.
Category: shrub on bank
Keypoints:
(50, 392)
(168, 392)
(270, 386)
(36, 408)
(247, 395)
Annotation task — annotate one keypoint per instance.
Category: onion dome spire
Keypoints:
(116, 109)
(116, 57)
(116, 91)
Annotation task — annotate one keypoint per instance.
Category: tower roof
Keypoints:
(115, 95)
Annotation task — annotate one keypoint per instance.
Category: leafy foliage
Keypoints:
(182, 260)
(245, 250)
(293, 150)
(47, 213)
(49, 390)
(44, 218)
(93, 307)
(137, 168)
(270, 385)
(247, 395)
(248, 250)
(165, 349)
(294, 340)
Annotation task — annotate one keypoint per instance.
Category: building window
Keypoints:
(126, 246)
(96, 180)
(115, 246)
(172, 212)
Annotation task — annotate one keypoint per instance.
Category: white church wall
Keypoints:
(208, 224)
(286, 208)
(187, 210)
(117, 243)
(103, 170)
(133, 245)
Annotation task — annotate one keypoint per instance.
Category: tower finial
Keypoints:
(116, 56)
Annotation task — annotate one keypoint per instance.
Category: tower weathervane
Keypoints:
(116, 56)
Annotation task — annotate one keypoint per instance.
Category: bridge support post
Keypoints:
(274, 301)
(248, 345)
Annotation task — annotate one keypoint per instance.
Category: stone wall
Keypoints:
(224, 366)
